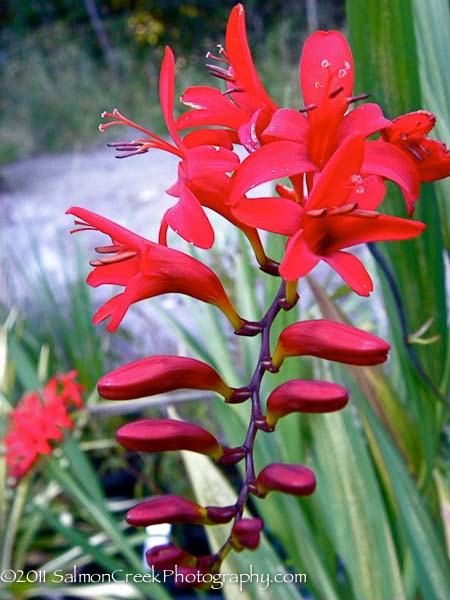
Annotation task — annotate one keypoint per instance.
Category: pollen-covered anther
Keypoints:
(357, 98)
(246, 533)
(289, 479)
(156, 435)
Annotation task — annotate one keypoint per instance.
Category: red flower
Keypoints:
(147, 269)
(331, 341)
(205, 158)
(338, 213)
(409, 133)
(245, 108)
(35, 422)
(326, 79)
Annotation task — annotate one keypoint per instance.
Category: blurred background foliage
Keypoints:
(76, 58)
(378, 525)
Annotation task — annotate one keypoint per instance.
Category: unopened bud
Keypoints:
(246, 533)
(289, 479)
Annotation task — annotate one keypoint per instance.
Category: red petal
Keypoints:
(238, 53)
(363, 120)
(188, 219)
(435, 163)
(289, 125)
(210, 137)
(272, 214)
(326, 65)
(268, 163)
(352, 272)
(167, 94)
(385, 159)
(116, 274)
(369, 194)
(333, 186)
(203, 161)
(166, 509)
(211, 107)
(298, 259)
(413, 125)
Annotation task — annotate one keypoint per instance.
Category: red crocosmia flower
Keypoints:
(306, 397)
(160, 374)
(326, 79)
(246, 533)
(175, 509)
(430, 157)
(289, 479)
(36, 421)
(338, 213)
(155, 435)
(205, 158)
(147, 269)
(245, 107)
(332, 341)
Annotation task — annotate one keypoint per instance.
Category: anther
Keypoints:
(344, 209)
(307, 108)
(336, 92)
(319, 212)
(359, 97)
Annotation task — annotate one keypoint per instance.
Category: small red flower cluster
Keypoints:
(38, 419)
(336, 182)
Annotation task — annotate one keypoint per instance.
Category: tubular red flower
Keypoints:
(155, 435)
(332, 341)
(302, 396)
(246, 533)
(289, 479)
(160, 374)
(147, 269)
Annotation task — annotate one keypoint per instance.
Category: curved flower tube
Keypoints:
(147, 269)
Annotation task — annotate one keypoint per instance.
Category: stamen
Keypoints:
(336, 92)
(358, 97)
(369, 214)
(307, 108)
(109, 260)
(414, 152)
(107, 249)
(319, 212)
(221, 73)
(344, 209)
(232, 91)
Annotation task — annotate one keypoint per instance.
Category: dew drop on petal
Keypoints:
(360, 189)
(325, 63)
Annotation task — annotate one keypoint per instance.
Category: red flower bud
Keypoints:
(332, 341)
(290, 479)
(246, 533)
(167, 509)
(160, 374)
(167, 556)
(155, 435)
(220, 514)
(304, 396)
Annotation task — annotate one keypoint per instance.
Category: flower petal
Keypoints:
(363, 120)
(167, 94)
(298, 259)
(268, 163)
(272, 214)
(188, 219)
(289, 125)
(211, 107)
(385, 159)
(352, 272)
